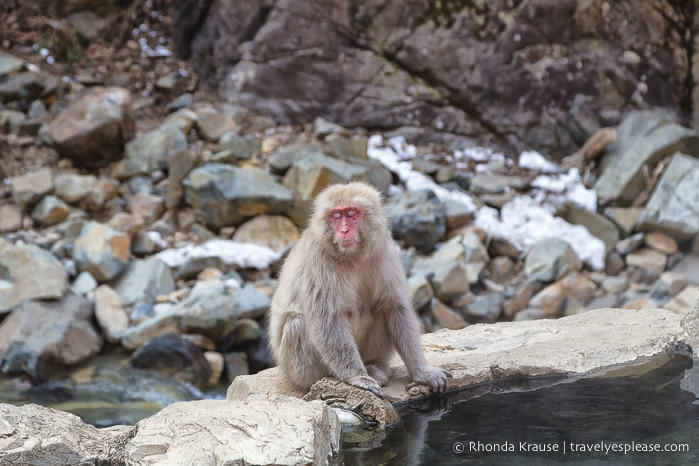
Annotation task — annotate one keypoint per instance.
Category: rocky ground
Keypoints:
(139, 212)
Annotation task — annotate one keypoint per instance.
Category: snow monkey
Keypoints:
(342, 304)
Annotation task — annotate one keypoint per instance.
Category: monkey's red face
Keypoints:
(345, 221)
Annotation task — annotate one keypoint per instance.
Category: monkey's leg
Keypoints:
(298, 359)
(380, 371)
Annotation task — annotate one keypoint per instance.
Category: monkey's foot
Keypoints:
(435, 377)
(366, 383)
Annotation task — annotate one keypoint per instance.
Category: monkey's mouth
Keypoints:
(347, 243)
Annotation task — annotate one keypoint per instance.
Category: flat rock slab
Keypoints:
(261, 430)
(577, 345)
(580, 344)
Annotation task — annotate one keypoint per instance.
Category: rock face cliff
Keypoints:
(527, 73)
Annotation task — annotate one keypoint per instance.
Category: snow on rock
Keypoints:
(235, 253)
(524, 222)
(534, 161)
(394, 156)
(563, 188)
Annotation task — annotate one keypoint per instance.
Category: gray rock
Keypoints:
(109, 313)
(85, 191)
(183, 118)
(345, 147)
(9, 64)
(457, 214)
(273, 231)
(138, 335)
(486, 307)
(19, 268)
(643, 139)
(284, 157)
(300, 433)
(51, 210)
(550, 259)
(420, 290)
(84, 283)
(227, 195)
(418, 218)
(28, 86)
(595, 340)
(148, 206)
(102, 251)
(649, 260)
(629, 244)
(10, 218)
(495, 183)
(246, 332)
(41, 335)
(445, 316)
(575, 286)
(175, 356)
(536, 78)
(238, 147)
(687, 267)
(73, 187)
(236, 364)
(597, 224)
(531, 313)
(674, 205)
(625, 218)
(212, 125)
(33, 434)
(212, 315)
(251, 302)
(454, 267)
(150, 151)
(92, 131)
(29, 188)
(142, 281)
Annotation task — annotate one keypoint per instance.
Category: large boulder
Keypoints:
(33, 434)
(226, 195)
(102, 250)
(262, 430)
(674, 205)
(535, 73)
(20, 268)
(93, 130)
(644, 140)
(41, 336)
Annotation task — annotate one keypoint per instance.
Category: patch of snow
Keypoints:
(563, 188)
(533, 160)
(394, 156)
(235, 253)
(524, 222)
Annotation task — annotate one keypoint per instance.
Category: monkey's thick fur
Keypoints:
(341, 312)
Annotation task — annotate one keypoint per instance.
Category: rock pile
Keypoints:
(170, 237)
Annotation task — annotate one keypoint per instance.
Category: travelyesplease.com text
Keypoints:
(569, 447)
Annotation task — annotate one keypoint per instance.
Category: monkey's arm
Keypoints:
(404, 331)
(333, 341)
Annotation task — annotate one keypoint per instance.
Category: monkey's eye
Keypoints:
(335, 215)
(351, 213)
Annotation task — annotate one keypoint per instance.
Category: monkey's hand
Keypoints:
(435, 377)
(366, 383)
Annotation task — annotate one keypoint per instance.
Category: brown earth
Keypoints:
(113, 57)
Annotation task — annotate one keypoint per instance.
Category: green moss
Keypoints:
(65, 45)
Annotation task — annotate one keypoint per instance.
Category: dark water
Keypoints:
(106, 391)
(611, 420)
